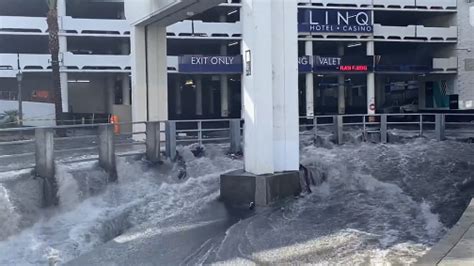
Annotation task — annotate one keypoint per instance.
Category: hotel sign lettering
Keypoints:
(334, 20)
(210, 64)
(343, 64)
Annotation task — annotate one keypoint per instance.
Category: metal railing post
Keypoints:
(235, 136)
(440, 126)
(338, 129)
(383, 129)
(364, 128)
(200, 133)
(153, 141)
(315, 128)
(171, 140)
(421, 125)
(45, 168)
(107, 151)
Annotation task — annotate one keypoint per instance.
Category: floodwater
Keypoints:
(370, 204)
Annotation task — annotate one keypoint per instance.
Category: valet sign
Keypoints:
(334, 20)
(210, 64)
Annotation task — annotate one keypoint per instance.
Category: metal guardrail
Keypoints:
(150, 138)
(158, 138)
(439, 126)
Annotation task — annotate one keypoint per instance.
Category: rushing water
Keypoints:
(374, 204)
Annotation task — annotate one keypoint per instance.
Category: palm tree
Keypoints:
(53, 45)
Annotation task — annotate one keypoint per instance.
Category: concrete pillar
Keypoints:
(225, 106)
(157, 73)
(153, 149)
(235, 136)
(211, 101)
(139, 80)
(125, 78)
(440, 126)
(107, 151)
(178, 96)
(63, 77)
(371, 82)
(110, 93)
(198, 80)
(309, 83)
(341, 94)
(270, 46)
(45, 168)
(126, 89)
(379, 92)
(341, 87)
(338, 129)
(225, 97)
(171, 139)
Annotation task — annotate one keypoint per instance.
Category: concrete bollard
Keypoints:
(338, 129)
(107, 151)
(235, 136)
(45, 168)
(153, 142)
(383, 129)
(440, 127)
(171, 140)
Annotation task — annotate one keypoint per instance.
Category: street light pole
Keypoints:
(19, 79)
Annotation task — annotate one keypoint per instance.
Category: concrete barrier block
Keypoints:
(242, 188)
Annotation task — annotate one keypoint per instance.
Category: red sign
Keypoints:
(354, 68)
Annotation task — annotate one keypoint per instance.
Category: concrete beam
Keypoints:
(165, 12)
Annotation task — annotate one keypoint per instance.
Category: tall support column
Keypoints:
(139, 80)
(110, 93)
(341, 87)
(199, 95)
(225, 106)
(379, 92)
(309, 82)
(371, 82)
(270, 99)
(126, 76)
(179, 105)
(157, 73)
(63, 76)
(211, 101)
(126, 89)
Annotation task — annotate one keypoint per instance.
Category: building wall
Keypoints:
(88, 97)
(465, 79)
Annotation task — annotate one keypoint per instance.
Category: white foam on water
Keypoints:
(9, 218)
(376, 207)
(140, 198)
(68, 189)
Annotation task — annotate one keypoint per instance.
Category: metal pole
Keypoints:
(171, 140)
(19, 78)
(383, 129)
(440, 127)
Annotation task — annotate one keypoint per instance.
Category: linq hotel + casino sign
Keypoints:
(334, 20)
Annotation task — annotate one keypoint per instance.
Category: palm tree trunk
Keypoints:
(53, 28)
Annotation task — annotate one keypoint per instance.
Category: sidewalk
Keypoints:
(457, 247)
